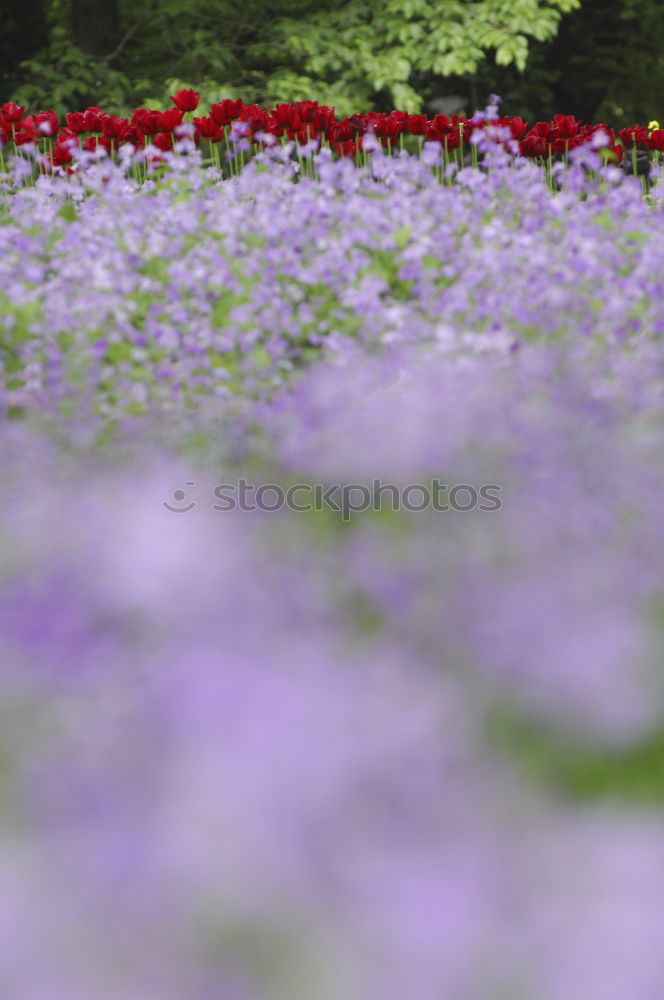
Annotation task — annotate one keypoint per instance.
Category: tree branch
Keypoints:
(129, 34)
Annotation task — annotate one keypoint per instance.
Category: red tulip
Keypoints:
(62, 154)
(306, 134)
(256, 118)
(284, 115)
(636, 135)
(441, 123)
(533, 145)
(324, 119)
(186, 100)
(66, 135)
(133, 134)
(590, 130)
(342, 132)
(163, 141)
(226, 111)
(113, 127)
(543, 129)
(566, 126)
(417, 124)
(25, 134)
(307, 111)
(516, 125)
(656, 140)
(388, 127)
(398, 121)
(207, 129)
(46, 122)
(92, 119)
(76, 122)
(168, 120)
(147, 121)
(93, 142)
(12, 111)
(345, 149)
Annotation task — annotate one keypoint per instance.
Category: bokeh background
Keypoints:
(598, 59)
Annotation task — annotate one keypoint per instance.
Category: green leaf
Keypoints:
(68, 212)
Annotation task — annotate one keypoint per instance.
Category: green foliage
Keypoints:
(606, 63)
(598, 59)
(25, 30)
(347, 53)
(619, 73)
(64, 78)
(356, 50)
(578, 771)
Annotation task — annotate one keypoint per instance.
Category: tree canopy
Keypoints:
(589, 57)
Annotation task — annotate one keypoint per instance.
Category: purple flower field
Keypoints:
(332, 754)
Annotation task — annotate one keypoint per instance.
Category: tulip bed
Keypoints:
(254, 755)
(233, 131)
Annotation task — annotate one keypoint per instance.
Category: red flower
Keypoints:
(441, 129)
(133, 134)
(297, 126)
(186, 100)
(545, 130)
(92, 119)
(566, 126)
(417, 124)
(168, 120)
(12, 111)
(25, 134)
(306, 134)
(398, 122)
(441, 123)
(163, 141)
(46, 122)
(323, 119)
(656, 140)
(636, 135)
(533, 145)
(256, 118)
(284, 115)
(207, 129)
(93, 142)
(226, 111)
(114, 127)
(62, 153)
(345, 149)
(148, 121)
(589, 131)
(66, 135)
(76, 122)
(578, 140)
(307, 111)
(359, 123)
(516, 125)
(388, 127)
(343, 131)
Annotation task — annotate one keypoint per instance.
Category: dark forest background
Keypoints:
(603, 61)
